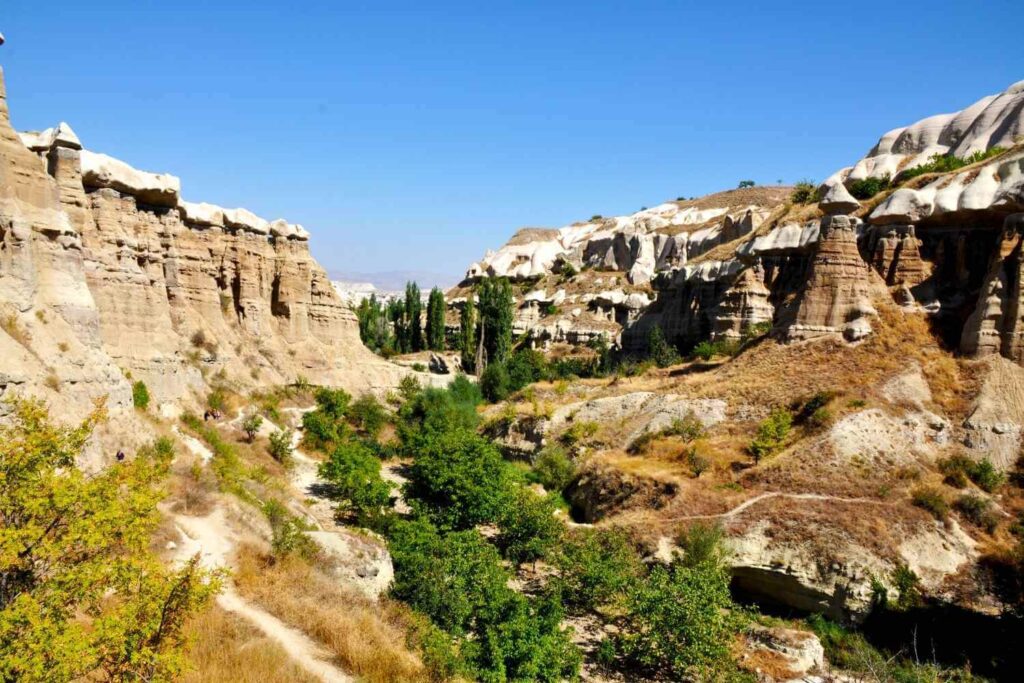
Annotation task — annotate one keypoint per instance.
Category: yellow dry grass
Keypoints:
(366, 639)
(225, 649)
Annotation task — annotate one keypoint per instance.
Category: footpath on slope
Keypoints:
(212, 537)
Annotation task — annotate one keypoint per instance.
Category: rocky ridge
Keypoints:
(107, 273)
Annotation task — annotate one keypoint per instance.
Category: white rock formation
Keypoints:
(157, 189)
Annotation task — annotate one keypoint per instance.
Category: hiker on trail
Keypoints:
(206, 416)
(120, 456)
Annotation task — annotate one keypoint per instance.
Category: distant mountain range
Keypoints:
(394, 280)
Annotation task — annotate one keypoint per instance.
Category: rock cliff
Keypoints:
(107, 273)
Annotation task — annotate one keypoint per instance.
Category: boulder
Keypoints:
(243, 219)
(838, 200)
(59, 136)
(202, 214)
(154, 189)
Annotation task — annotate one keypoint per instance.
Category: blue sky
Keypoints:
(416, 135)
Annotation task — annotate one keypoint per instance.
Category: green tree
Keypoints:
(413, 317)
(495, 383)
(528, 526)
(553, 469)
(251, 425)
(659, 350)
(771, 434)
(597, 567)
(353, 473)
(458, 477)
(368, 415)
(280, 446)
(397, 316)
(496, 314)
(81, 595)
(468, 334)
(435, 320)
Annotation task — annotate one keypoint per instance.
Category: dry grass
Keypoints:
(9, 324)
(225, 649)
(366, 639)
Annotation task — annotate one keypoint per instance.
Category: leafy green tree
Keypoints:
(413, 316)
(435, 320)
(659, 350)
(597, 567)
(396, 313)
(495, 383)
(528, 526)
(353, 473)
(251, 425)
(496, 315)
(374, 325)
(81, 595)
(368, 415)
(280, 446)
(526, 366)
(326, 424)
(468, 334)
(458, 477)
(140, 395)
(553, 469)
(771, 434)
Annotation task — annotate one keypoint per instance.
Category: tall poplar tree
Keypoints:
(496, 314)
(467, 334)
(435, 320)
(413, 311)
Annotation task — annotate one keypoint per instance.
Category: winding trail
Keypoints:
(214, 540)
(777, 494)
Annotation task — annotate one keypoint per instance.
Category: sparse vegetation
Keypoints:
(251, 425)
(280, 446)
(931, 499)
(866, 188)
(140, 395)
(805, 192)
(771, 434)
(945, 163)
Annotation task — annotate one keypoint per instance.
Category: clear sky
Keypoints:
(416, 135)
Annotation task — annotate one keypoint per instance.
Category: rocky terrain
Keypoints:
(109, 276)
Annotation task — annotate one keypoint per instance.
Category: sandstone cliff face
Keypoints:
(105, 271)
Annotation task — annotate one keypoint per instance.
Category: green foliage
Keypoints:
(597, 567)
(288, 535)
(866, 188)
(659, 350)
(907, 585)
(746, 183)
(689, 428)
(771, 434)
(439, 410)
(216, 400)
(553, 469)
(435, 320)
(468, 334)
(496, 313)
(457, 580)
(680, 621)
(944, 163)
(697, 463)
(978, 510)
(805, 192)
(280, 446)
(140, 395)
(408, 387)
(528, 526)
(251, 425)
(457, 477)
(413, 318)
(368, 415)
(495, 382)
(353, 473)
(578, 432)
(931, 499)
(81, 595)
(326, 425)
(957, 468)
(702, 544)
(375, 327)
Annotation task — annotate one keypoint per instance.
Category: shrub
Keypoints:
(216, 400)
(978, 510)
(553, 469)
(642, 443)
(944, 163)
(495, 383)
(578, 432)
(52, 381)
(697, 463)
(908, 588)
(251, 425)
(368, 415)
(458, 477)
(597, 567)
(932, 500)
(287, 532)
(986, 476)
(140, 395)
(689, 428)
(958, 468)
(659, 350)
(280, 446)
(746, 183)
(771, 434)
(867, 188)
(805, 192)
(353, 472)
(408, 387)
(528, 526)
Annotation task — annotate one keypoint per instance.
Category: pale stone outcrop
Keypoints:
(838, 200)
(744, 305)
(60, 135)
(995, 325)
(157, 189)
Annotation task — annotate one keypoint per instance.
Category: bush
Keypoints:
(702, 545)
(771, 434)
(944, 163)
(577, 433)
(659, 350)
(251, 425)
(140, 395)
(805, 192)
(986, 476)
(353, 472)
(746, 183)
(597, 567)
(553, 469)
(458, 478)
(978, 510)
(280, 447)
(689, 428)
(958, 468)
(698, 463)
(932, 500)
(528, 526)
(216, 400)
(287, 532)
(408, 387)
(495, 383)
(867, 188)
(368, 415)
